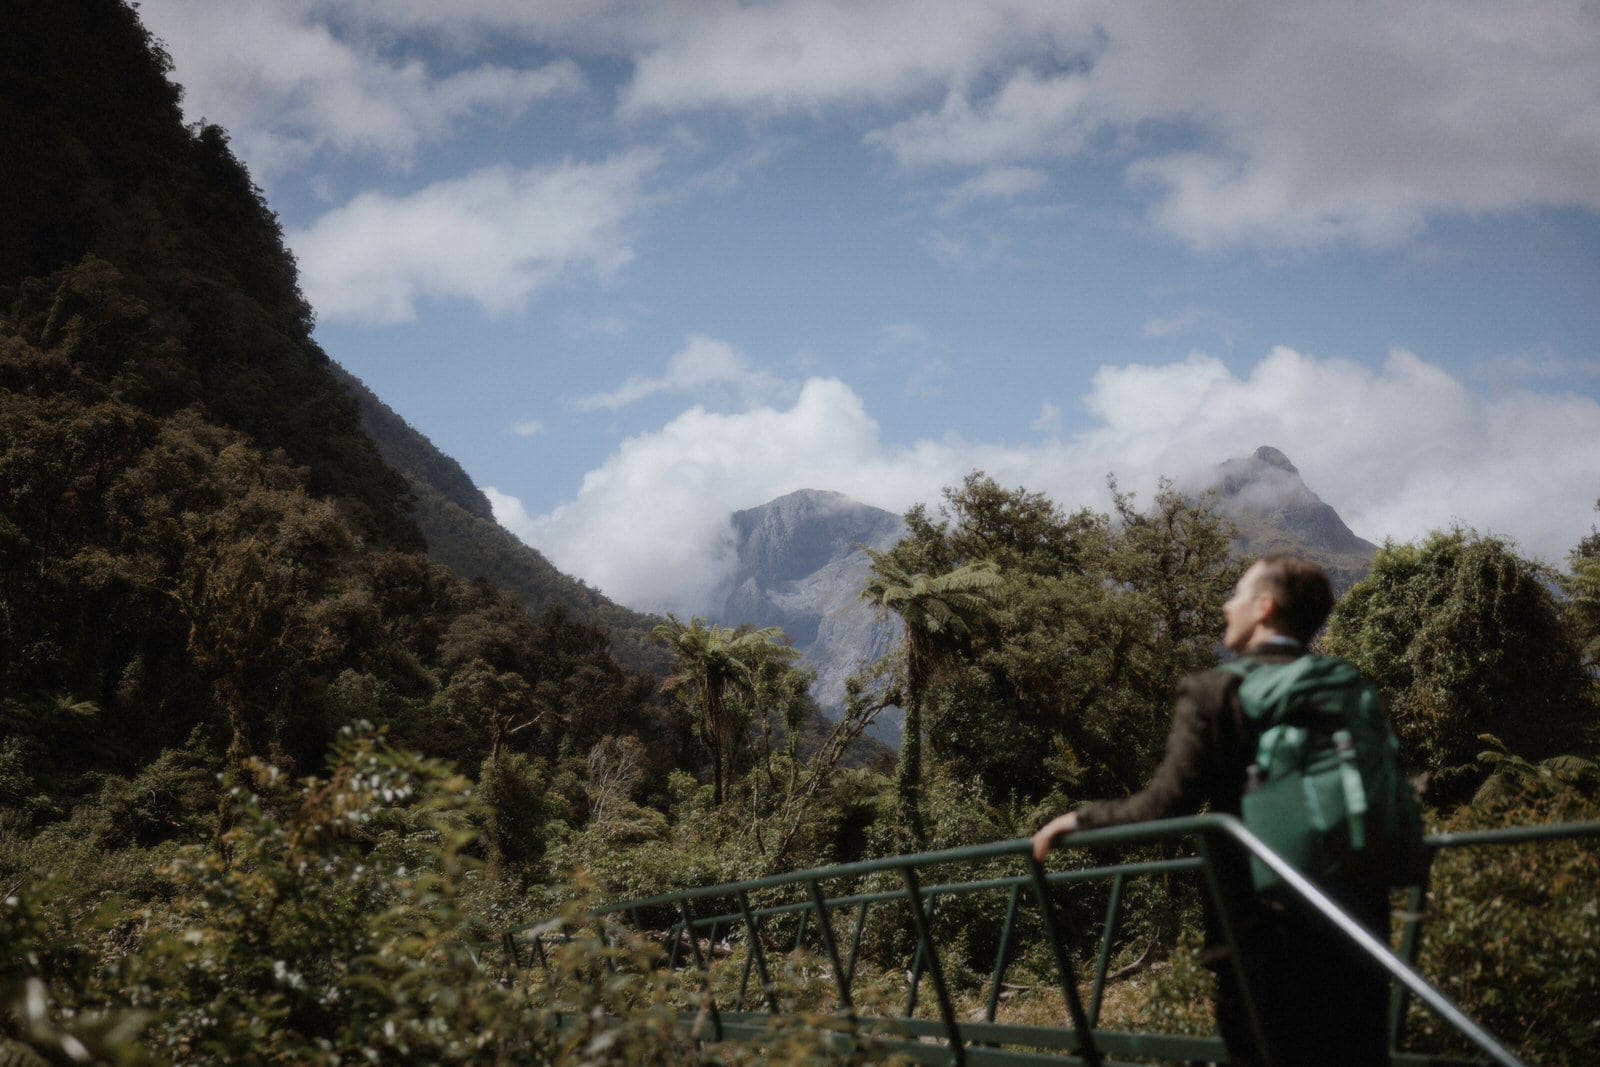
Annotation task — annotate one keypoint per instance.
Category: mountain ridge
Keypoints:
(801, 565)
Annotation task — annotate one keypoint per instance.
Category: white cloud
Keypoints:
(491, 238)
(1049, 420)
(1398, 451)
(967, 248)
(529, 428)
(597, 326)
(808, 54)
(650, 526)
(1029, 117)
(1306, 123)
(701, 362)
(1191, 319)
(286, 84)
(995, 183)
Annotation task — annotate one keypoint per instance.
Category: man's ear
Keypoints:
(1266, 608)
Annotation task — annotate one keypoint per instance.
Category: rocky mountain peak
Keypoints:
(1274, 510)
(798, 534)
(1274, 458)
(801, 567)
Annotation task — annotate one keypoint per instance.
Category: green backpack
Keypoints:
(1326, 791)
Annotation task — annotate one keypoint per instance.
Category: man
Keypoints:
(1320, 1001)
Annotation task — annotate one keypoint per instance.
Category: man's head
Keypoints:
(1278, 596)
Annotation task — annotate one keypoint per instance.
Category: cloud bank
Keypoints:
(1276, 126)
(1398, 451)
(288, 80)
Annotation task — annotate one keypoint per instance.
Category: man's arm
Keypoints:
(1183, 781)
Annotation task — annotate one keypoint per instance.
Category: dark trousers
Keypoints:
(1321, 1001)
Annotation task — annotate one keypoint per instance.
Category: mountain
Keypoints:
(801, 567)
(461, 532)
(1274, 510)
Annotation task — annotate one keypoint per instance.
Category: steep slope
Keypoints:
(1275, 511)
(461, 531)
(199, 544)
(100, 164)
(801, 567)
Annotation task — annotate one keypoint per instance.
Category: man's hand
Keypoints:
(1047, 834)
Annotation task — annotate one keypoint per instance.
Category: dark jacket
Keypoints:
(1209, 748)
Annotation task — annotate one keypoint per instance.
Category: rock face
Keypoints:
(1275, 511)
(801, 567)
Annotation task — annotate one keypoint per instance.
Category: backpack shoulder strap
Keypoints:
(1269, 689)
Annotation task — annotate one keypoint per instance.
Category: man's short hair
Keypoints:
(1301, 591)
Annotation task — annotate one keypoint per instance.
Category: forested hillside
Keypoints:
(201, 545)
(270, 774)
(455, 517)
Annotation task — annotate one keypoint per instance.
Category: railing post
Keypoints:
(958, 1051)
(1410, 946)
(513, 964)
(1069, 987)
(1230, 937)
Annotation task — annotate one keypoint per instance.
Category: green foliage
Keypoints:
(1464, 638)
(728, 677)
(1582, 606)
(1513, 932)
(1095, 619)
(939, 614)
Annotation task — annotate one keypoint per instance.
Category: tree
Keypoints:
(1465, 638)
(939, 612)
(713, 663)
(1582, 588)
(1095, 617)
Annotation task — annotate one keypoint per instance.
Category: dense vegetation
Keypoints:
(209, 573)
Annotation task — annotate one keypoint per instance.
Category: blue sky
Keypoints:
(636, 265)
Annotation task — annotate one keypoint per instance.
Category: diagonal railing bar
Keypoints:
(1055, 934)
(855, 941)
(984, 1043)
(919, 960)
(923, 922)
(1102, 962)
(709, 1001)
(756, 953)
(513, 960)
(831, 946)
(1002, 954)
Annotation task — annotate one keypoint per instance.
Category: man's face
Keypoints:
(1243, 611)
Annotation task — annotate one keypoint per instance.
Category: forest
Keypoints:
(269, 769)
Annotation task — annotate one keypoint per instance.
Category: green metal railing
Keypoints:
(817, 903)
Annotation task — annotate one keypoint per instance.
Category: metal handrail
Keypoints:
(968, 1042)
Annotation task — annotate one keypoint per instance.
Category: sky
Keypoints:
(637, 264)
